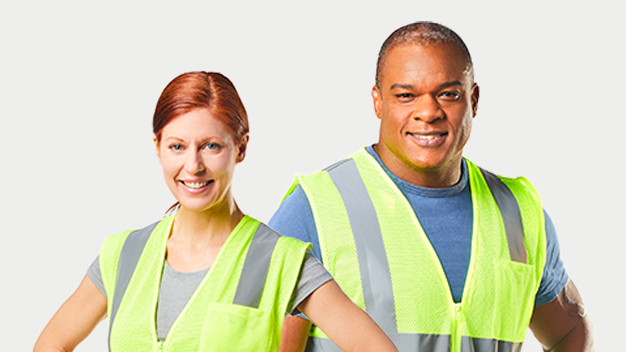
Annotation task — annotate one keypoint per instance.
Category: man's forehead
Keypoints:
(442, 51)
(444, 60)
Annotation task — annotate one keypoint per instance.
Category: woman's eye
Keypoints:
(176, 147)
(211, 146)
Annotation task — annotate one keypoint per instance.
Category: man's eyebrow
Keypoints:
(410, 86)
(401, 86)
(450, 84)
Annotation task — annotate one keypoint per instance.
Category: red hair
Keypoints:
(193, 90)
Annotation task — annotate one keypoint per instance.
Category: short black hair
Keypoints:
(423, 33)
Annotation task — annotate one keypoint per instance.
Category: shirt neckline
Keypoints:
(173, 271)
(427, 192)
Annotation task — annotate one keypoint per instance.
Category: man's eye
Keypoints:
(404, 95)
(450, 95)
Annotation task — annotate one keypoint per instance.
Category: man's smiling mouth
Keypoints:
(429, 139)
(428, 136)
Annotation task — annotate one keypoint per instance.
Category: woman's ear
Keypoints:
(157, 144)
(243, 145)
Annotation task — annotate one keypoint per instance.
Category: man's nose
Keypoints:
(427, 109)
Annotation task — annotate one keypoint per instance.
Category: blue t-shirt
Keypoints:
(446, 215)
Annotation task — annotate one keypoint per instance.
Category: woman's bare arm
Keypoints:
(343, 322)
(75, 320)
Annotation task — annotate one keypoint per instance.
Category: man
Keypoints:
(443, 255)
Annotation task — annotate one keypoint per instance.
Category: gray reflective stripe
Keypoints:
(255, 267)
(511, 216)
(404, 343)
(421, 342)
(373, 265)
(469, 344)
(129, 256)
(424, 342)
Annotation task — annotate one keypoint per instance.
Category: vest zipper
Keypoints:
(161, 345)
(455, 343)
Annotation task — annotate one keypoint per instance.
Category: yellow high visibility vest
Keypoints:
(375, 248)
(239, 306)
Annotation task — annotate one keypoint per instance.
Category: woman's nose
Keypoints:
(194, 163)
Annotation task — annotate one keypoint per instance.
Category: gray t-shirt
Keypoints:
(177, 288)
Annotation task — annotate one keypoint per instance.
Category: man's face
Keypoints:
(426, 102)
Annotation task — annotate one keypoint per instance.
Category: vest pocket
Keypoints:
(516, 288)
(231, 327)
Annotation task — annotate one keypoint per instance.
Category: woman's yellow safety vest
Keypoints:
(375, 248)
(239, 306)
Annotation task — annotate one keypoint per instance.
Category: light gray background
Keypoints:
(79, 82)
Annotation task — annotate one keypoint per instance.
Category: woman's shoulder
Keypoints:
(117, 240)
(114, 243)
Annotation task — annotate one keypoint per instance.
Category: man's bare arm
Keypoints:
(295, 334)
(563, 324)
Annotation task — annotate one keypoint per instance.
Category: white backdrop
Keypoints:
(79, 82)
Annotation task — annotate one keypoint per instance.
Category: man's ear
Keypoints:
(243, 145)
(377, 99)
(475, 96)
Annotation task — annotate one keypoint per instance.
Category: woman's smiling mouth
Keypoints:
(195, 185)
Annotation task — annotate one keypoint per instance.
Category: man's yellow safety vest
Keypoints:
(239, 306)
(375, 248)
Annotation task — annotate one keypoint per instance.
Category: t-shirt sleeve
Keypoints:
(312, 276)
(95, 276)
(294, 218)
(554, 274)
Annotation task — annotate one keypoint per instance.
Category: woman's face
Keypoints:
(198, 156)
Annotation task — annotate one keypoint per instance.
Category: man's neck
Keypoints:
(441, 176)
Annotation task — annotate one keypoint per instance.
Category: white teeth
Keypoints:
(428, 137)
(196, 184)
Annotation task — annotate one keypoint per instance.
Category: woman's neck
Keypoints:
(197, 236)
(207, 224)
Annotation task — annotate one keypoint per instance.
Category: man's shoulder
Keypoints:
(294, 218)
(337, 163)
(319, 177)
(515, 183)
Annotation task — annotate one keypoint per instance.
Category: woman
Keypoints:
(207, 277)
